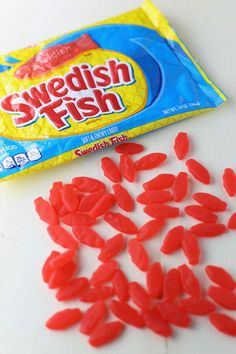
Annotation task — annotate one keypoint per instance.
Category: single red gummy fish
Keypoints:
(161, 181)
(55, 195)
(229, 182)
(200, 213)
(106, 333)
(62, 275)
(154, 280)
(173, 240)
(161, 211)
(93, 316)
(154, 197)
(232, 222)
(150, 161)
(72, 289)
(127, 168)
(210, 201)
(156, 323)
(208, 229)
(105, 203)
(139, 296)
(129, 148)
(126, 313)
(223, 297)
(88, 236)
(198, 171)
(110, 169)
(121, 223)
(88, 202)
(189, 281)
(45, 211)
(121, 285)
(150, 229)
(70, 197)
(191, 248)
(219, 276)
(223, 323)
(172, 287)
(112, 247)
(180, 187)
(47, 269)
(62, 237)
(104, 272)
(78, 219)
(196, 306)
(181, 145)
(173, 314)
(123, 197)
(97, 293)
(138, 254)
(62, 259)
(88, 184)
(64, 319)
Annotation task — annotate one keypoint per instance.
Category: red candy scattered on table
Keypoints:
(167, 297)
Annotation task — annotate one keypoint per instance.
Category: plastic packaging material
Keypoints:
(74, 94)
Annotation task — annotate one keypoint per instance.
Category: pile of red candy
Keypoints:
(169, 297)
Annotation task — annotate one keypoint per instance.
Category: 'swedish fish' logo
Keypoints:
(79, 95)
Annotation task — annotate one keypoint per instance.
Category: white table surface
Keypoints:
(208, 27)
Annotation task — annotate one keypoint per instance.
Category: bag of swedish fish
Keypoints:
(77, 93)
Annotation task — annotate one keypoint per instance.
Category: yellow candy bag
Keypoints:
(80, 92)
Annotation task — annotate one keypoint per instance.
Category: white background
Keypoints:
(208, 29)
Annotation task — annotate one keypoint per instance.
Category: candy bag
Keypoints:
(77, 93)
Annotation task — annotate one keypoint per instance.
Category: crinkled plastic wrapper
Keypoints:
(77, 93)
